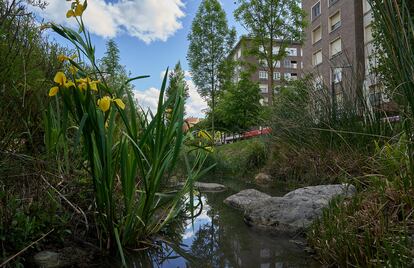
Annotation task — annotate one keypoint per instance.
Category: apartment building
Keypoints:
(339, 52)
(374, 91)
(290, 68)
(334, 47)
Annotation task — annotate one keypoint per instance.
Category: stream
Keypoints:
(218, 237)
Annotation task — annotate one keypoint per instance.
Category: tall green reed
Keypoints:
(394, 27)
(128, 151)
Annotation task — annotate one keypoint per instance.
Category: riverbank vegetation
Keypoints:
(358, 145)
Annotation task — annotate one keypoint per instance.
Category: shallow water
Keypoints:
(218, 237)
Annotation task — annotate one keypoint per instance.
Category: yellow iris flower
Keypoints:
(69, 84)
(73, 69)
(60, 78)
(104, 103)
(53, 91)
(63, 58)
(77, 11)
(84, 82)
(94, 85)
(120, 103)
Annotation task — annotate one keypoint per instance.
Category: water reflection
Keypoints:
(218, 237)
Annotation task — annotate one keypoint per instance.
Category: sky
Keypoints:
(151, 36)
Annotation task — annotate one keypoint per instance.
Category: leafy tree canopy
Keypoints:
(271, 23)
(210, 41)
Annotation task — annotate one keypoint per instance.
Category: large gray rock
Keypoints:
(206, 187)
(296, 210)
(293, 212)
(244, 199)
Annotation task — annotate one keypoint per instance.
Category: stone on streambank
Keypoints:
(206, 186)
(290, 213)
(65, 257)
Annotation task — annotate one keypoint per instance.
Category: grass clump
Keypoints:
(310, 147)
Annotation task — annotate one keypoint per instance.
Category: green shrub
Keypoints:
(240, 158)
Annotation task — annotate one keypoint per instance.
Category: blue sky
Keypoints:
(151, 36)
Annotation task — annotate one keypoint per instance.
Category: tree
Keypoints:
(115, 73)
(240, 108)
(210, 41)
(271, 22)
(176, 81)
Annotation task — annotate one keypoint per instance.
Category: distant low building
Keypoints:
(190, 122)
(290, 68)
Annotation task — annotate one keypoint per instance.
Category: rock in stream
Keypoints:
(290, 213)
(206, 187)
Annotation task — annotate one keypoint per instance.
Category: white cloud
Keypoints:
(148, 99)
(195, 104)
(148, 20)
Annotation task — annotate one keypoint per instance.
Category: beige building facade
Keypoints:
(287, 69)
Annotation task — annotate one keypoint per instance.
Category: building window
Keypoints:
(277, 64)
(316, 10)
(331, 2)
(287, 76)
(275, 50)
(262, 75)
(317, 58)
(316, 34)
(291, 76)
(287, 63)
(261, 49)
(335, 47)
(263, 62)
(264, 101)
(335, 21)
(276, 76)
(337, 75)
(263, 88)
(277, 89)
(294, 64)
(239, 53)
(292, 51)
(318, 83)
